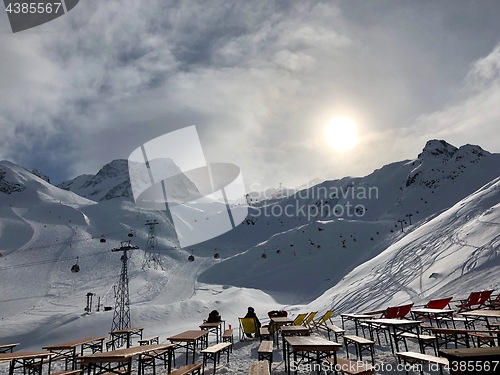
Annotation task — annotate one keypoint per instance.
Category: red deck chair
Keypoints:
(397, 312)
(475, 300)
(440, 304)
(485, 297)
(392, 312)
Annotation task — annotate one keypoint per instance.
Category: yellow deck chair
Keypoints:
(247, 327)
(323, 321)
(299, 319)
(307, 321)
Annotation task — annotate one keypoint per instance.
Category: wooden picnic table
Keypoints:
(311, 350)
(482, 314)
(432, 314)
(356, 318)
(5, 348)
(126, 334)
(68, 350)
(115, 361)
(276, 323)
(454, 335)
(214, 327)
(31, 362)
(473, 360)
(293, 331)
(398, 327)
(189, 340)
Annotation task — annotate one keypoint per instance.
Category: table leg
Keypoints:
(284, 352)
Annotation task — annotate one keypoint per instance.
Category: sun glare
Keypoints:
(341, 134)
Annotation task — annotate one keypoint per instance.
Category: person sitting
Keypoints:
(214, 317)
(251, 314)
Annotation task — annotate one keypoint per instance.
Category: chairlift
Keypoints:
(102, 240)
(191, 258)
(75, 267)
(131, 234)
(216, 256)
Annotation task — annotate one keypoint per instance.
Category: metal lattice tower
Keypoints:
(121, 316)
(152, 254)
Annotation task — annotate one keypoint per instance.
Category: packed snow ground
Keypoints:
(349, 264)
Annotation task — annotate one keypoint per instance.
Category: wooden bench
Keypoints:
(483, 338)
(265, 352)
(194, 368)
(265, 334)
(227, 336)
(213, 353)
(423, 341)
(361, 344)
(352, 367)
(5, 348)
(337, 331)
(149, 341)
(259, 368)
(67, 372)
(414, 357)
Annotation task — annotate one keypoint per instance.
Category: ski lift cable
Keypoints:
(48, 261)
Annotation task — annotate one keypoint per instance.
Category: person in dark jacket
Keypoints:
(214, 317)
(251, 314)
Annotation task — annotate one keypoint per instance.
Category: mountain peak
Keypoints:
(112, 181)
(438, 148)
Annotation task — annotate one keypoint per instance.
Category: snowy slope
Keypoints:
(456, 252)
(404, 192)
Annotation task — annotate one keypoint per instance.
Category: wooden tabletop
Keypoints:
(395, 322)
(74, 343)
(123, 354)
(22, 355)
(210, 324)
(126, 330)
(470, 352)
(311, 343)
(281, 320)
(188, 336)
(294, 329)
(358, 316)
(424, 310)
(482, 313)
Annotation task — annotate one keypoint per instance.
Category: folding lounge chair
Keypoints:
(440, 304)
(323, 321)
(247, 327)
(307, 321)
(299, 319)
(392, 312)
(475, 300)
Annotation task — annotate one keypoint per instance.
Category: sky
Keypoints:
(260, 80)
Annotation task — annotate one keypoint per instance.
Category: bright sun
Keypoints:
(341, 133)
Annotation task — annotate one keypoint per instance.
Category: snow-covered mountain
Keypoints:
(112, 181)
(408, 231)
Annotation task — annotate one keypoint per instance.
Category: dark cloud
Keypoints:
(259, 79)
